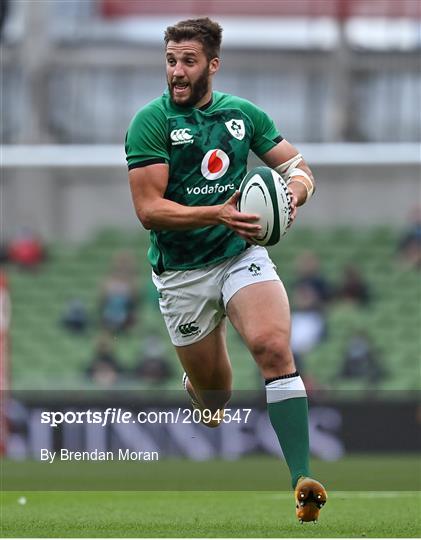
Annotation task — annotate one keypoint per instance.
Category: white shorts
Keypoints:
(193, 302)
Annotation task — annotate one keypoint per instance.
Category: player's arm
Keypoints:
(148, 185)
(289, 163)
(279, 154)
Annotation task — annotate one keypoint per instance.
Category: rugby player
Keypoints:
(187, 154)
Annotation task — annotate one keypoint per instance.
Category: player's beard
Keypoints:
(197, 90)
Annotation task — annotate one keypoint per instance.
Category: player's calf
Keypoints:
(211, 415)
(272, 354)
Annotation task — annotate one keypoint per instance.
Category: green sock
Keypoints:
(289, 418)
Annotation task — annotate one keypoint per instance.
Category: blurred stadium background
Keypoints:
(342, 80)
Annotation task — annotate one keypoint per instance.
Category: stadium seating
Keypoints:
(45, 355)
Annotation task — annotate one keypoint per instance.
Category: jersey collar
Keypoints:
(206, 105)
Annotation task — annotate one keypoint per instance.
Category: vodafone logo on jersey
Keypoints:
(215, 164)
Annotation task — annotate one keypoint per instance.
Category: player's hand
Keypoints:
(243, 224)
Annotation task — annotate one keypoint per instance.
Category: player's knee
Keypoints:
(271, 351)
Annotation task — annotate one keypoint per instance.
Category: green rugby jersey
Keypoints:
(207, 151)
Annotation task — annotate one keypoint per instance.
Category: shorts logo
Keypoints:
(254, 270)
(181, 136)
(189, 329)
(236, 128)
(215, 164)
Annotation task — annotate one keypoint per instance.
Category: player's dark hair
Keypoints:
(206, 31)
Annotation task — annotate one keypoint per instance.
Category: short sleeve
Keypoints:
(146, 138)
(266, 134)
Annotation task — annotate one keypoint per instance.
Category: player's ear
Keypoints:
(213, 66)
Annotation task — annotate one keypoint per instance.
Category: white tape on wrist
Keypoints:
(290, 172)
(298, 175)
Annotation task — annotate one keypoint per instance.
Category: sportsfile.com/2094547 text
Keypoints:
(113, 415)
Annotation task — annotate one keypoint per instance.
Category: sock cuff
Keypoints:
(288, 376)
(285, 388)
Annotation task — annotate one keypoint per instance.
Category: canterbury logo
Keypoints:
(181, 136)
(188, 329)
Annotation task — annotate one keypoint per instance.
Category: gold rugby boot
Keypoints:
(310, 497)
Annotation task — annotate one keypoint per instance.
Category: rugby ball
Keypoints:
(264, 192)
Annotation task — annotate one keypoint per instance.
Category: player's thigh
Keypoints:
(260, 313)
(206, 361)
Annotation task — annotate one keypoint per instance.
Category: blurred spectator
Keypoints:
(4, 8)
(308, 322)
(154, 366)
(26, 249)
(409, 247)
(75, 317)
(353, 288)
(361, 361)
(104, 369)
(4, 256)
(309, 275)
(118, 296)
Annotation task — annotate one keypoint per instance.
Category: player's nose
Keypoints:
(178, 70)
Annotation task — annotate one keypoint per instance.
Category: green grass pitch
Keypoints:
(206, 514)
(353, 513)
